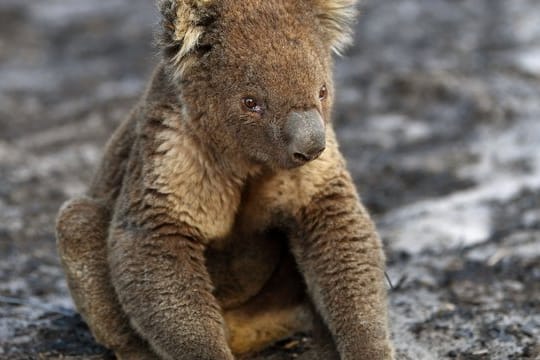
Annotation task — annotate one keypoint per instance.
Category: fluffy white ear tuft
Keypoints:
(336, 17)
(183, 23)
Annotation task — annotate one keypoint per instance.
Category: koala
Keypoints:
(222, 217)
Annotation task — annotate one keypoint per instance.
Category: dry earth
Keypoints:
(438, 112)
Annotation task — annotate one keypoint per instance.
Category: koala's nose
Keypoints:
(306, 134)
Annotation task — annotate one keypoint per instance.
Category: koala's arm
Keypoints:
(341, 257)
(164, 288)
(158, 271)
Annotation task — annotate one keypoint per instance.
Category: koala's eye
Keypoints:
(251, 105)
(323, 93)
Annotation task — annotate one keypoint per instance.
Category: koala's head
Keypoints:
(255, 75)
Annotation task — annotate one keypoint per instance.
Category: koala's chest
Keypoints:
(241, 268)
(265, 204)
(245, 260)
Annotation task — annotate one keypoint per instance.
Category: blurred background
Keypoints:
(438, 113)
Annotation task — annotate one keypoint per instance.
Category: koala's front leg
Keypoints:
(341, 257)
(164, 288)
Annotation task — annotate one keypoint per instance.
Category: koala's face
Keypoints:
(261, 76)
(272, 78)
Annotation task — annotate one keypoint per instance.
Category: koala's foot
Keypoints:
(381, 350)
(323, 344)
(324, 347)
(82, 227)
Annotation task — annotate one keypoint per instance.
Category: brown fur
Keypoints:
(199, 238)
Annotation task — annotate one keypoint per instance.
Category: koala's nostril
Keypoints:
(300, 157)
(307, 156)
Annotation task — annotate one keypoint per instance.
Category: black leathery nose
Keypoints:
(306, 133)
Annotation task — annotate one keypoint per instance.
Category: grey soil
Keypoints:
(438, 112)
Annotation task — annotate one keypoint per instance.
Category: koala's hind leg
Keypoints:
(82, 227)
(278, 311)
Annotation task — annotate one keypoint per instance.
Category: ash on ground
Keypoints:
(438, 112)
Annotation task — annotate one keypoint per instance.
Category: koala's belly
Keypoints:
(241, 268)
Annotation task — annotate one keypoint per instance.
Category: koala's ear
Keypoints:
(183, 23)
(336, 17)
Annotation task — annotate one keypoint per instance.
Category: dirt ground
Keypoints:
(438, 113)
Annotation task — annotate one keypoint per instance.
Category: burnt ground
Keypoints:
(438, 112)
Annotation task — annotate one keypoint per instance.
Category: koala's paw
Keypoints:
(200, 352)
(382, 351)
(136, 354)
